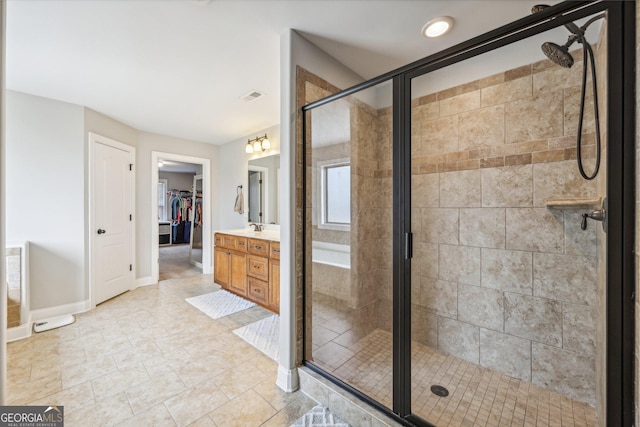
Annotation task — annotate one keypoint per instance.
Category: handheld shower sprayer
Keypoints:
(560, 55)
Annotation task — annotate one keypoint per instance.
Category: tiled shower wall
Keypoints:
(498, 278)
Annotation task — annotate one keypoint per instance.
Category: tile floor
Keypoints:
(478, 396)
(174, 262)
(147, 357)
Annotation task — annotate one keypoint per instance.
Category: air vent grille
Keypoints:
(251, 96)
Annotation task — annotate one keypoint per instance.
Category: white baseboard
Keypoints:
(73, 308)
(24, 330)
(287, 379)
(145, 281)
(19, 332)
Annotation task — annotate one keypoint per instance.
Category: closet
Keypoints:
(181, 214)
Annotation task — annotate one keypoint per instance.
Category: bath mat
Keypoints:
(219, 304)
(319, 416)
(263, 335)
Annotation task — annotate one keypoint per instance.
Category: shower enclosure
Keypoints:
(456, 269)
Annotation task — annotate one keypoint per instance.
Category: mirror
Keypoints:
(195, 250)
(262, 195)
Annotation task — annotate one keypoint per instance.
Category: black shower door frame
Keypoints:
(620, 274)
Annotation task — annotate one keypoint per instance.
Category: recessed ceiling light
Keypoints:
(437, 26)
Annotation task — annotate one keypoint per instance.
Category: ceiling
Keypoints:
(179, 67)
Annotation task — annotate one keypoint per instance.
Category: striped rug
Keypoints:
(319, 416)
(263, 335)
(219, 304)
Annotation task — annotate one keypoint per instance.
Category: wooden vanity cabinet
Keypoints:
(230, 269)
(248, 267)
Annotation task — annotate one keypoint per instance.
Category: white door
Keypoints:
(112, 219)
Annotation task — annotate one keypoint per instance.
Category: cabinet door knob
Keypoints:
(101, 231)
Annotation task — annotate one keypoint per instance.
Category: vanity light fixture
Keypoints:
(259, 143)
(437, 26)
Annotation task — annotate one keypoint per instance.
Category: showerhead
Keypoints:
(558, 54)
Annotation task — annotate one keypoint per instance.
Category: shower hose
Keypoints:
(587, 52)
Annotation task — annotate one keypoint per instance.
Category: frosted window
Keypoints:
(338, 194)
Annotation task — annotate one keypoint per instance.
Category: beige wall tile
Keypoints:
(439, 296)
(509, 186)
(481, 307)
(566, 372)
(507, 270)
(460, 103)
(459, 264)
(539, 117)
(440, 225)
(576, 240)
(579, 329)
(425, 259)
(572, 111)
(460, 339)
(560, 180)
(505, 353)
(533, 318)
(554, 77)
(568, 278)
(460, 189)
(508, 91)
(425, 191)
(424, 326)
(537, 229)
(481, 128)
(482, 227)
(436, 137)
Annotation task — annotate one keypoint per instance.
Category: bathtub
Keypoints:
(332, 254)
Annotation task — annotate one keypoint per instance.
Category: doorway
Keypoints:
(181, 210)
(469, 259)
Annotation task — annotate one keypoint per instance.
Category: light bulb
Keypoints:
(248, 148)
(257, 146)
(266, 144)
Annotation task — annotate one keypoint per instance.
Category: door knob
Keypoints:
(101, 231)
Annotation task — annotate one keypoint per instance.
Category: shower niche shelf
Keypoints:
(586, 203)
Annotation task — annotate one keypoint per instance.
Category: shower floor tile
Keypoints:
(477, 396)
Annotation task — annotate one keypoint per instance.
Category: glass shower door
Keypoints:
(349, 237)
(506, 288)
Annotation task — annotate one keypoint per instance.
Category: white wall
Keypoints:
(148, 142)
(295, 50)
(233, 171)
(45, 194)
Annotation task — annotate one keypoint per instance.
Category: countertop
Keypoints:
(271, 235)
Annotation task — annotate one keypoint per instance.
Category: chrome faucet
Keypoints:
(256, 227)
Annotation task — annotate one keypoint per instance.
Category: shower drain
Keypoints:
(438, 390)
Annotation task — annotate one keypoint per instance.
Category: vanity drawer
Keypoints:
(235, 243)
(258, 267)
(240, 244)
(274, 250)
(258, 247)
(258, 290)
